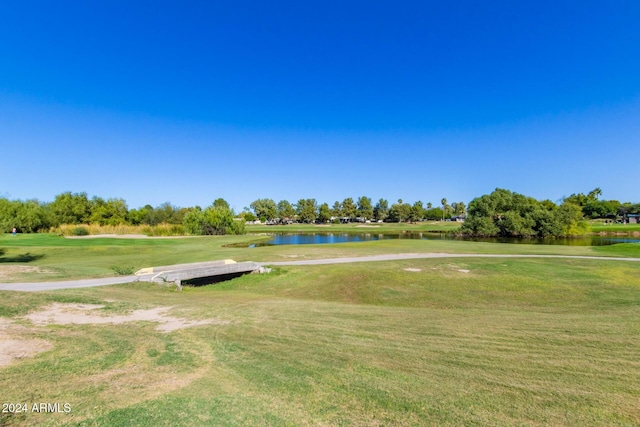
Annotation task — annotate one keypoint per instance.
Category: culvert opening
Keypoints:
(211, 280)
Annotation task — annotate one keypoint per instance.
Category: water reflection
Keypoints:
(320, 238)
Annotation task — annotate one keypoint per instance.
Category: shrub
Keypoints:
(213, 221)
(80, 231)
(122, 271)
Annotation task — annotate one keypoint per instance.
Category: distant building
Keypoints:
(459, 218)
(634, 218)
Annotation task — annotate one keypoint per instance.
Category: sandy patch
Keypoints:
(130, 384)
(464, 271)
(412, 269)
(367, 226)
(7, 271)
(13, 348)
(83, 314)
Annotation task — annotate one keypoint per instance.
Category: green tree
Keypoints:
(324, 213)
(285, 211)
(265, 209)
(215, 220)
(221, 203)
(336, 210)
(31, 216)
(601, 208)
(417, 212)
(165, 213)
(307, 210)
(433, 214)
(400, 212)
(364, 210)
(458, 208)
(71, 208)
(8, 213)
(248, 216)
(627, 208)
(381, 210)
(594, 194)
(109, 212)
(507, 214)
(443, 202)
(137, 216)
(349, 208)
(588, 203)
(570, 219)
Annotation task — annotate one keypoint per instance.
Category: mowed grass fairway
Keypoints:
(459, 342)
(47, 257)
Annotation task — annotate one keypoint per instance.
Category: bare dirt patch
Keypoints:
(412, 269)
(367, 226)
(13, 348)
(132, 384)
(8, 272)
(85, 314)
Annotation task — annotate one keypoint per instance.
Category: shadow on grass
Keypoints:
(28, 257)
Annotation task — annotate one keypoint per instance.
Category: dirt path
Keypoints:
(47, 286)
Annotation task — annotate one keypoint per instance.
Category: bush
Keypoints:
(213, 221)
(507, 214)
(122, 271)
(80, 231)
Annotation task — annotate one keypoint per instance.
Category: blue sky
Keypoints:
(190, 101)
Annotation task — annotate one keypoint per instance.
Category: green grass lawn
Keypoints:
(51, 257)
(599, 227)
(460, 342)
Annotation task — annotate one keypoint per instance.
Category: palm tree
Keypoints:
(444, 206)
(595, 193)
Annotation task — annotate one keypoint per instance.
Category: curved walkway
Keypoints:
(69, 284)
(393, 257)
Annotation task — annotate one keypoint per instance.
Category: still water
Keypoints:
(319, 238)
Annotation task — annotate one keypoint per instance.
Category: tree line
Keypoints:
(594, 208)
(69, 208)
(508, 214)
(30, 216)
(349, 210)
(501, 213)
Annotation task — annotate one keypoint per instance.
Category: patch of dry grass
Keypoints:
(512, 342)
(122, 229)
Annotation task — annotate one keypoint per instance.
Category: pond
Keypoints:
(320, 238)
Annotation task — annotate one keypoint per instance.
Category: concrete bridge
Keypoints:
(198, 273)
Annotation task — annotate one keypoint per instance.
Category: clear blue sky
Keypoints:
(190, 101)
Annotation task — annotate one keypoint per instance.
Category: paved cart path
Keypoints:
(69, 284)
(392, 257)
